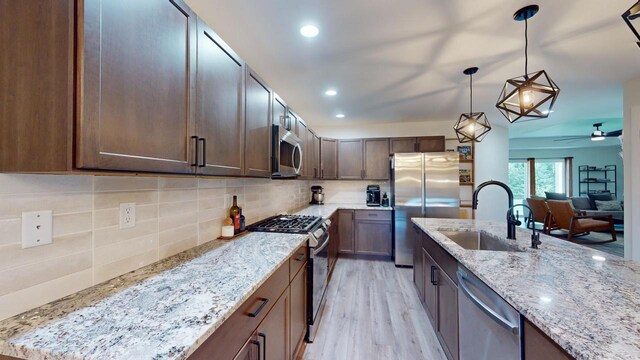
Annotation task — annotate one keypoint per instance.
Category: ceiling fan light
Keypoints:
(597, 138)
(632, 18)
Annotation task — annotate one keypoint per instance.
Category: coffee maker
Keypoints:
(373, 195)
(317, 196)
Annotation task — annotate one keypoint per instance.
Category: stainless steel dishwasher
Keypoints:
(489, 327)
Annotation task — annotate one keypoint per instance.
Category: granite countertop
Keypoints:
(327, 210)
(587, 301)
(162, 311)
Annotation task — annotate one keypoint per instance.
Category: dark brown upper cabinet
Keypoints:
(403, 145)
(257, 152)
(350, 165)
(316, 156)
(431, 144)
(220, 106)
(279, 111)
(302, 129)
(376, 159)
(328, 158)
(312, 170)
(136, 79)
(36, 85)
(293, 122)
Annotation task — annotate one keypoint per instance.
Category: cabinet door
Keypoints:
(220, 105)
(136, 75)
(418, 274)
(274, 331)
(346, 231)
(257, 127)
(302, 129)
(311, 155)
(298, 311)
(431, 144)
(447, 317)
(373, 237)
(538, 346)
(376, 159)
(251, 349)
(329, 160)
(293, 122)
(350, 159)
(403, 145)
(316, 158)
(334, 244)
(279, 111)
(36, 85)
(429, 275)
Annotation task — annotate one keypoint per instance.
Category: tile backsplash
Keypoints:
(173, 214)
(349, 191)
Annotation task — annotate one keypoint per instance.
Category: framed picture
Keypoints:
(465, 176)
(465, 152)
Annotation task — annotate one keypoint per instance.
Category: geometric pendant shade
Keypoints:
(471, 126)
(532, 96)
(632, 18)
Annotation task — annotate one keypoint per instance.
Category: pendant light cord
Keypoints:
(526, 49)
(471, 97)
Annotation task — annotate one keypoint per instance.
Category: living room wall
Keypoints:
(632, 169)
(593, 156)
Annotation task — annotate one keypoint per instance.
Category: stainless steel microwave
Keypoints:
(287, 153)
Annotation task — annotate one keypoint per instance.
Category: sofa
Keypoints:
(588, 204)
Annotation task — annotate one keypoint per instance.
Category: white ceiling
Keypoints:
(402, 60)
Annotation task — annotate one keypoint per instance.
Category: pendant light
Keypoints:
(471, 126)
(633, 14)
(531, 95)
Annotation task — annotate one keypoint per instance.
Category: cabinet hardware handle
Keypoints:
(204, 152)
(264, 347)
(195, 157)
(255, 313)
(300, 257)
(433, 279)
(255, 342)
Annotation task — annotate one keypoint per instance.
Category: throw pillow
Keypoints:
(556, 196)
(608, 205)
(581, 203)
(603, 196)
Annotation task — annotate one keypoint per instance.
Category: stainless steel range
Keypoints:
(318, 263)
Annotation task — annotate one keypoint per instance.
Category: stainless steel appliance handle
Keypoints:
(462, 280)
(293, 158)
(319, 250)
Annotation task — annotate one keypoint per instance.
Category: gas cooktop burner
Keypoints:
(295, 224)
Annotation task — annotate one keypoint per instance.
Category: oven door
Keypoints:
(287, 152)
(319, 263)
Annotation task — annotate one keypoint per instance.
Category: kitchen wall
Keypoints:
(173, 214)
(632, 168)
(349, 191)
(595, 156)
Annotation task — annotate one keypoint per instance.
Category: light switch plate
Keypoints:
(37, 228)
(127, 215)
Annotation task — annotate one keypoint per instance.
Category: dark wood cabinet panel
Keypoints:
(298, 311)
(311, 156)
(220, 105)
(250, 350)
(418, 274)
(376, 159)
(346, 231)
(293, 122)
(431, 144)
(135, 85)
(403, 145)
(429, 271)
(257, 152)
(274, 330)
(373, 237)
(279, 111)
(350, 159)
(538, 346)
(447, 317)
(334, 243)
(36, 85)
(329, 158)
(316, 156)
(302, 130)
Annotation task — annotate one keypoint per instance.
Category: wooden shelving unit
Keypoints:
(466, 188)
(606, 179)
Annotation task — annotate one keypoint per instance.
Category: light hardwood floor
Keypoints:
(373, 312)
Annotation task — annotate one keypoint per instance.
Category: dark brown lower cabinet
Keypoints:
(274, 330)
(346, 231)
(252, 349)
(538, 346)
(418, 275)
(373, 237)
(298, 311)
(430, 291)
(334, 243)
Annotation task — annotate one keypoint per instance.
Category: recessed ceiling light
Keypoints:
(340, 116)
(598, 258)
(331, 92)
(309, 31)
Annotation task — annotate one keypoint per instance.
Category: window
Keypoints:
(549, 176)
(519, 180)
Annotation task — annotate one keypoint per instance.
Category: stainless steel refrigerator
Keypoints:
(422, 185)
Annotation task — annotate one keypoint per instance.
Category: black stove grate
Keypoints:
(295, 224)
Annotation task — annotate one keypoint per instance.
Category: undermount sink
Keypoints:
(474, 240)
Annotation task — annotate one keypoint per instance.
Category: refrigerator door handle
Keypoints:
(424, 188)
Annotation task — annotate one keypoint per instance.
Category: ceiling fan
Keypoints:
(596, 135)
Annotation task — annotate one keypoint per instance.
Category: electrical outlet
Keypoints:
(127, 215)
(37, 228)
